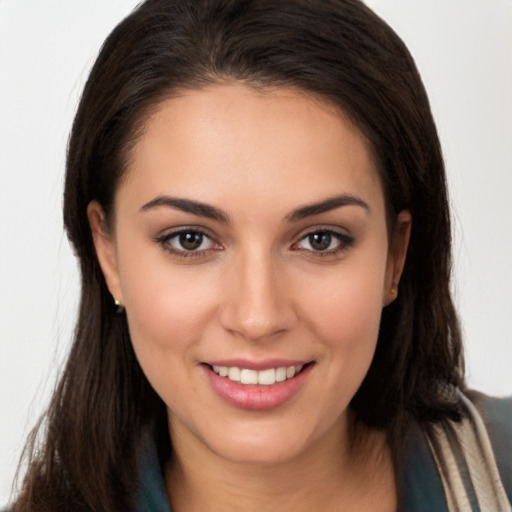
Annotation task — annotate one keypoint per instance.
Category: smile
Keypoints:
(263, 377)
(261, 386)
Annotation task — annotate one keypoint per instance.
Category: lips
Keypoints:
(257, 386)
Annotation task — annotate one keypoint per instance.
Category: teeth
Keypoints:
(263, 377)
(248, 377)
(234, 374)
(280, 374)
(267, 377)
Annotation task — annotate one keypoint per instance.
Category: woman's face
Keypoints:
(249, 243)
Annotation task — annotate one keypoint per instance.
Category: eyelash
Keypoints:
(345, 241)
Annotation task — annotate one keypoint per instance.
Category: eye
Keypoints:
(324, 241)
(190, 241)
(187, 242)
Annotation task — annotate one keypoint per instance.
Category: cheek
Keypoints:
(160, 307)
(348, 323)
(345, 313)
(350, 340)
(167, 309)
(350, 299)
(168, 313)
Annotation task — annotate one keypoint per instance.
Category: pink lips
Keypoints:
(256, 397)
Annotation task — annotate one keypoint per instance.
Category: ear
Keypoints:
(105, 249)
(399, 242)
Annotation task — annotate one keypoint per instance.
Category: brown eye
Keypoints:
(320, 241)
(190, 241)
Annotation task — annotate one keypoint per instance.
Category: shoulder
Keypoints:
(497, 416)
(496, 412)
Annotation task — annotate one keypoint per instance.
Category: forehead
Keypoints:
(223, 141)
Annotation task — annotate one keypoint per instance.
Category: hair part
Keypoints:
(336, 50)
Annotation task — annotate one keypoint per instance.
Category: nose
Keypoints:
(258, 304)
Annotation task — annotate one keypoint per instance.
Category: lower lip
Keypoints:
(257, 397)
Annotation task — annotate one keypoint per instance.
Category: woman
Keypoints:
(256, 195)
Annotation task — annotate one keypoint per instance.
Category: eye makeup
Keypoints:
(195, 242)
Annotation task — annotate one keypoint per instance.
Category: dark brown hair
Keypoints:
(338, 50)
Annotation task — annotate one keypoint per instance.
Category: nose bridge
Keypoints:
(257, 305)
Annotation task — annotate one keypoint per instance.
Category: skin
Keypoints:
(256, 289)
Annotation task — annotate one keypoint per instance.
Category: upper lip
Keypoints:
(264, 364)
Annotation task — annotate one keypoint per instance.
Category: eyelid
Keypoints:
(337, 230)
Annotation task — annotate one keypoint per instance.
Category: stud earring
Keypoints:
(393, 295)
(119, 306)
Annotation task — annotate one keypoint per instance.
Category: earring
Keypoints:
(393, 295)
(119, 306)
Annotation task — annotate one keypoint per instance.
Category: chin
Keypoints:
(261, 453)
(268, 443)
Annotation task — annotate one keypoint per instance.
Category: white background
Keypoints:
(463, 49)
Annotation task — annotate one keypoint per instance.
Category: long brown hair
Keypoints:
(87, 454)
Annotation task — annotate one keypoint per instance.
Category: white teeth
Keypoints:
(248, 376)
(267, 377)
(263, 377)
(281, 374)
(234, 374)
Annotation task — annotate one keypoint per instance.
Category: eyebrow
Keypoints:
(189, 206)
(211, 212)
(329, 204)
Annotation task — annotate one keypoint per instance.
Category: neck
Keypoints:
(345, 469)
